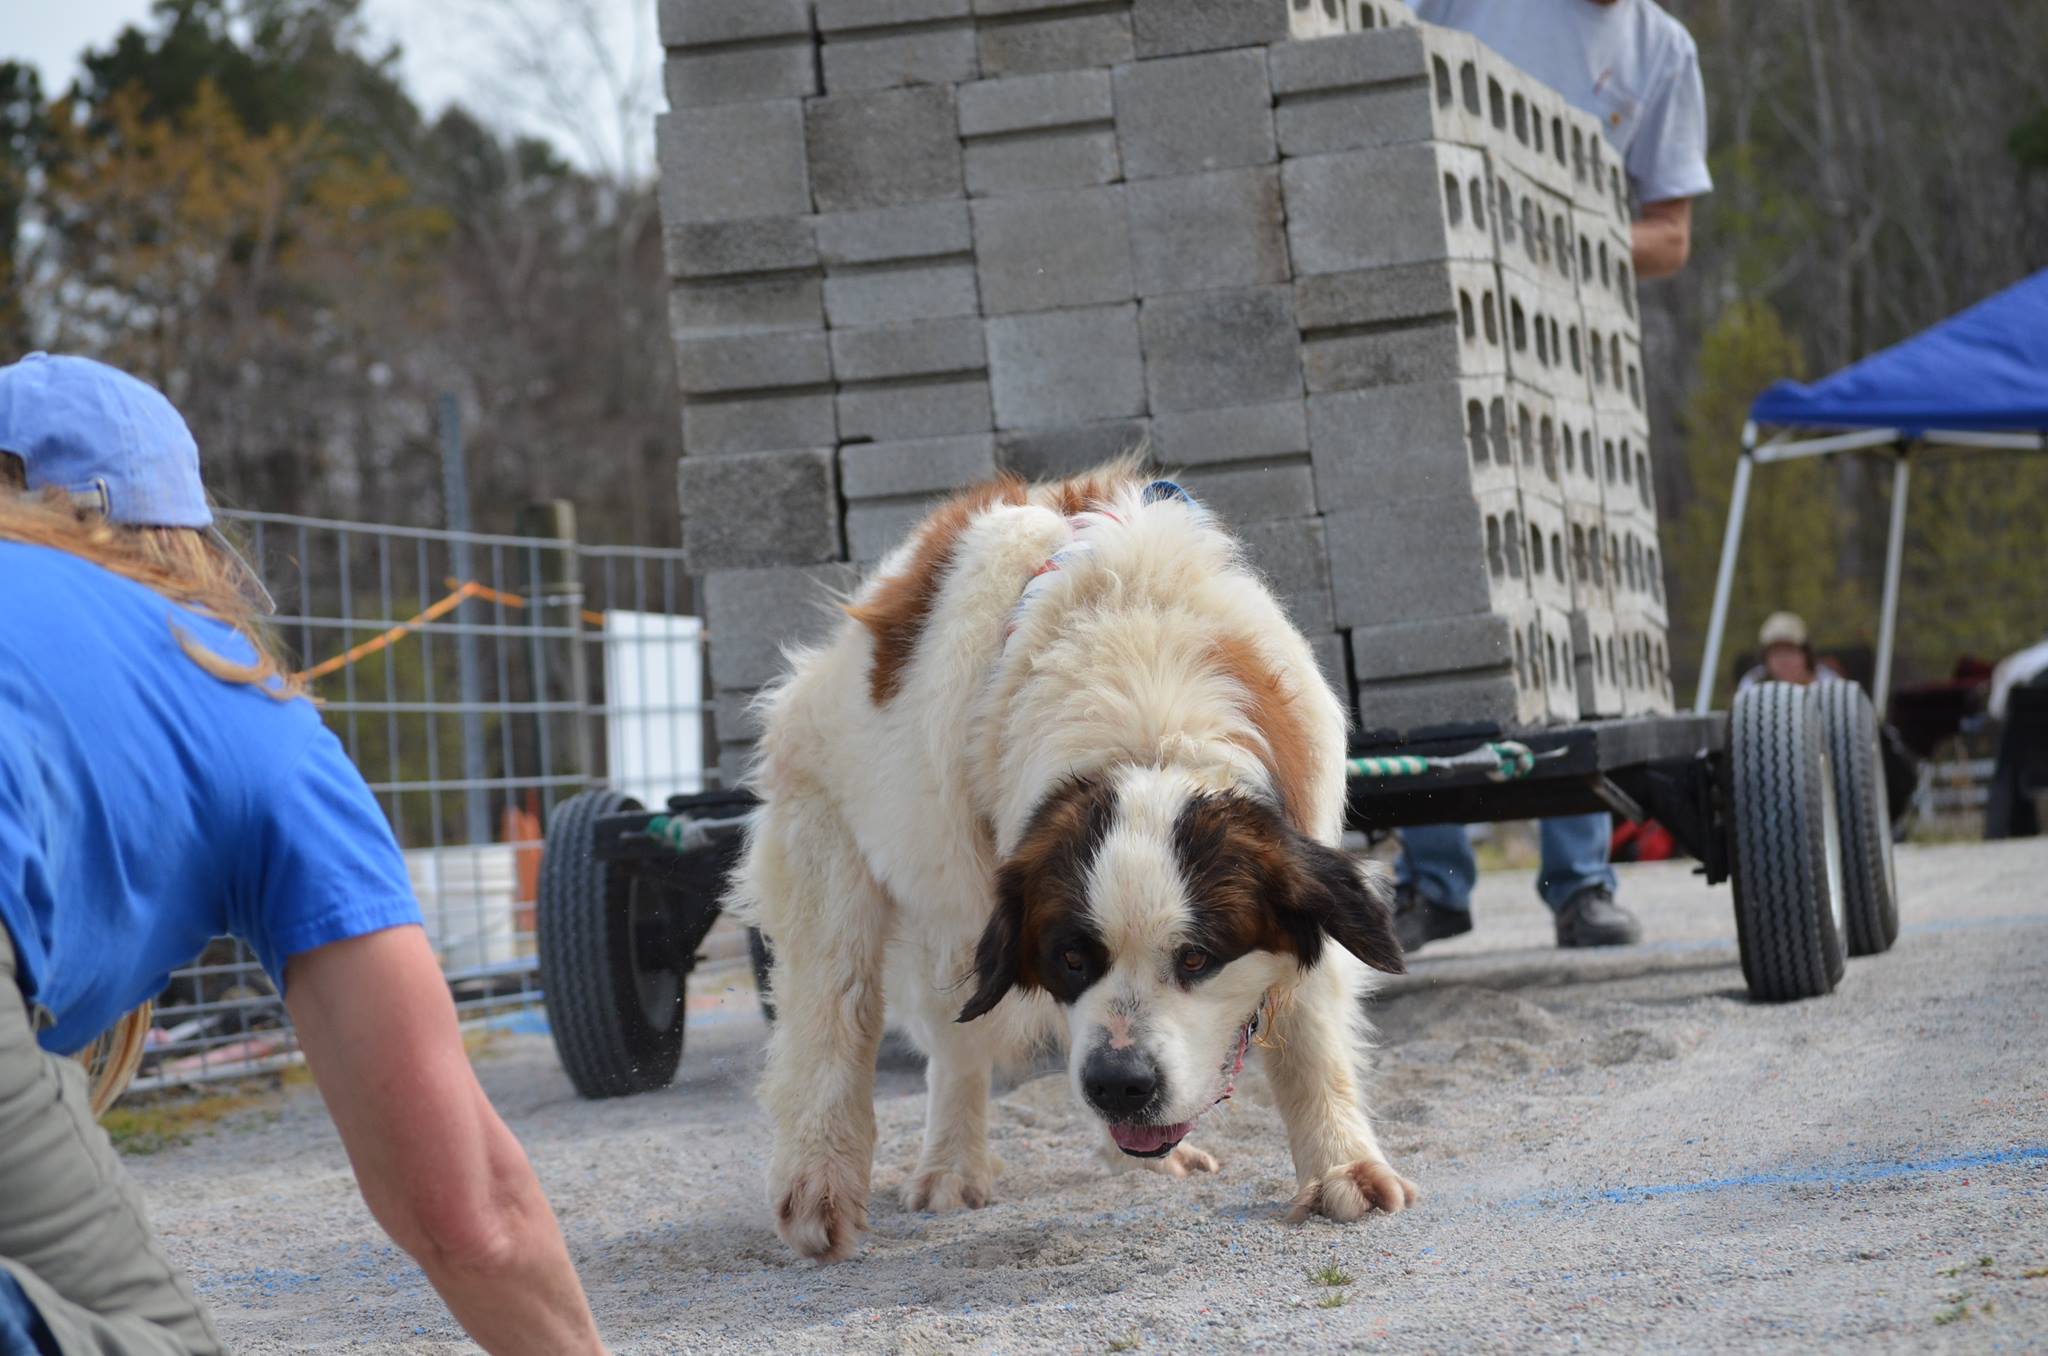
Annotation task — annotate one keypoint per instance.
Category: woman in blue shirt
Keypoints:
(163, 782)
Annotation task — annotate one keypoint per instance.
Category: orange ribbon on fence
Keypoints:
(463, 591)
(491, 595)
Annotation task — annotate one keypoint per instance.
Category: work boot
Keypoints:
(1592, 918)
(1419, 921)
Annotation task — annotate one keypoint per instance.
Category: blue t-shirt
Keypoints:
(1629, 64)
(147, 806)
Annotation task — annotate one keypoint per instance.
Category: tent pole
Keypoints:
(1724, 580)
(1894, 551)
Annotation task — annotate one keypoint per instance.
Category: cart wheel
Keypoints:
(1787, 859)
(607, 959)
(1870, 888)
(757, 947)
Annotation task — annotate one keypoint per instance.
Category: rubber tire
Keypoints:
(763, 957)
(1863, 807)
(606, 1043)
(1780, 806)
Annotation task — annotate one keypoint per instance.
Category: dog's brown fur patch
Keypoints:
(1078, 494)
(896, 612)
(1238, 860)
(1258, 884)
(1039, 891)
(1289, 744)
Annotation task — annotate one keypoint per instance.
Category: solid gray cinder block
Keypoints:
(927, 230)
(1047, 453)
(1376, 296)
(1057, 368)
(692, 23)
(885, 58)
(883, 147)
(838, 16)
(778, 69)
(1330, 655)
(1188, 115)
(1340, 360)
(762, 508)
(1196, 232)
(1173, 27)
(733, 716)
(1292, 555)
(1033, 103)
(1032, 132)
(736, 762)
(752, 362)
(733, 161)
(888, 294)
(1045, 251)
(1381, 446)
(1426, 561)
(1476, 641)
(1374, 88)
(1207, 350)
(920, 348)
(713, 249)
(759, 423)
(1242, 433)
(1040, 36)
(1372, 208)
(749, 615)
(1031, 162)
(744, 305)
(875, 527)
(1348, 61)
(936, 407)
(890, 470)
(1256, 490)
(1420, 704)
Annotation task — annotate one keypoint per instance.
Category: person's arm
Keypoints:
(436, 1166)
(1661, 239)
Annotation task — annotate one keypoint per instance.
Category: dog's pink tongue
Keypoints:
(1147, 1139)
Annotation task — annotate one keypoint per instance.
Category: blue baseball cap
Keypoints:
(111, 442)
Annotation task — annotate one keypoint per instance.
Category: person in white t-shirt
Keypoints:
(1635, 68)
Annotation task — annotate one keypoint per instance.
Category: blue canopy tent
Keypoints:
(1977, 380)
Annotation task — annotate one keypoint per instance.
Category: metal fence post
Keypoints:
(561, 595)
(455, 489)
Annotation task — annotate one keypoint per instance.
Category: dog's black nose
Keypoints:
(1120, 1083)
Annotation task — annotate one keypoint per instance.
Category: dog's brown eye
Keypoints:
(1073, 959)
(1194, 960)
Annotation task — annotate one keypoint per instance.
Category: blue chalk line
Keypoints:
(1852, 1174)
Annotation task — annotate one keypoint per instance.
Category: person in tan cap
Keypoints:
(1787, 655)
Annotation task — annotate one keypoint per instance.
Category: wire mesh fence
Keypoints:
(476, 680)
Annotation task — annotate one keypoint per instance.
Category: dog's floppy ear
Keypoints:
(1349, 899)
(996, 958)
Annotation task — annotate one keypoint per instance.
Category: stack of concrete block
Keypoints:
(1361, 282)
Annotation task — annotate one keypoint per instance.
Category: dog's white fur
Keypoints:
(871, 862)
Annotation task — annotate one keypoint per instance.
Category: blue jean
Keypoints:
(22, 1330)
(1437, 860)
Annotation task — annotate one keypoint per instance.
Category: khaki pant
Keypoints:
(72, 1230)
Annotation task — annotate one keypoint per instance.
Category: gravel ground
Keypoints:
(1619, 1151)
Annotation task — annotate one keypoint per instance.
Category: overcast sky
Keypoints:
(452, 51)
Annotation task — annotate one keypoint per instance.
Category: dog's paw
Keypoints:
(821, 1217)
(1184, 1159)
(1354, 1190)
(942, 1190)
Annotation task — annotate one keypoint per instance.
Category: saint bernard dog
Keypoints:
(1066, 772)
